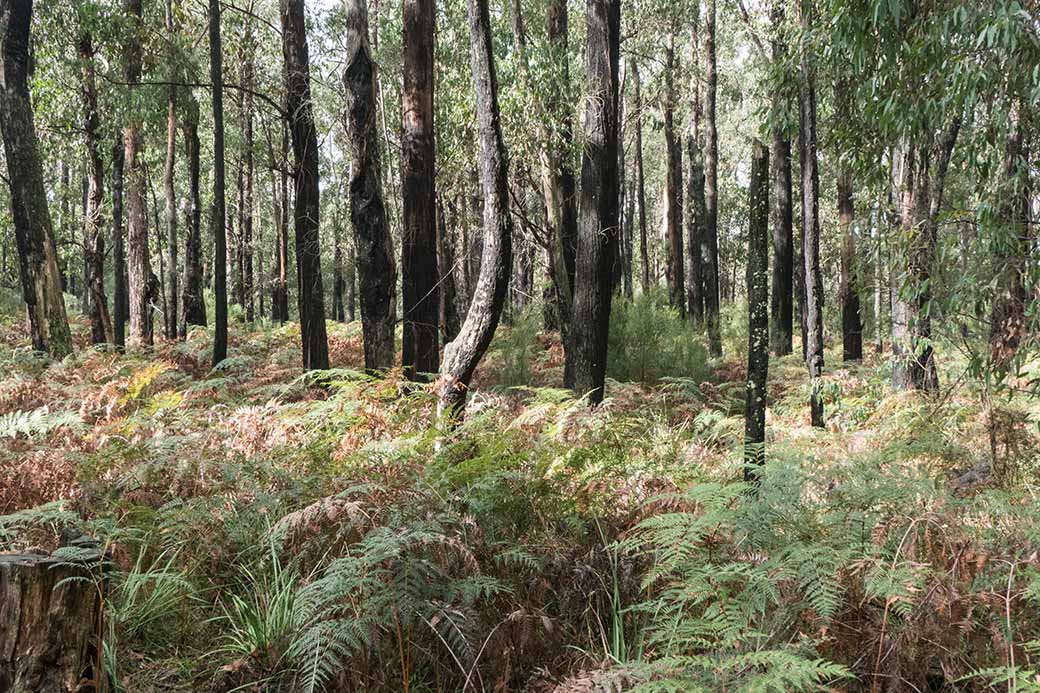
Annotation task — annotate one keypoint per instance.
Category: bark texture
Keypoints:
(218, 217)
(193, 303)
(172, 294)
(758, 310)
(420, 288)
(377, 275)
(49, 615)
(463, 354)
(94, 233)
(710, 240)
(675, 272)
(781, 333)
(811, 224)
(310, 297)
(34, 236)
(598, 217)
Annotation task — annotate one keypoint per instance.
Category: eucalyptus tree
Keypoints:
(463, 354)
(710, 237)
(673, 199)
(193, 302)
(94, 236)
(218, 214)
(34, 236)
(376, 271)
(758, 308)
(420, 288)
(598, 216)
(781, 334)
(310, 295)
(169, 188)
(143, 283)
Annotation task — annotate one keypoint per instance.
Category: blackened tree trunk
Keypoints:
(781, 335)
(598, 218)
(674, 262)
(280, 200)
(339, 284)
(463, 354)
(811, 224)
(450, 323)
(143, 283)
(758, 310)
(249, 167)
(710, 240)
(350, 281)
(172, 294)
(94, 234)
(218, 217)
(420, 290)
(558, 175)
(120, 300)
(644, 252)
(310, 295)
(851, 321)
(37, 253)
(377, 276)
(193, 303)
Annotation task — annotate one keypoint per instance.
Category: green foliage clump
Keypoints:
(649, 341)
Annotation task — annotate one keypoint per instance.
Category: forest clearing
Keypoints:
(519, 345)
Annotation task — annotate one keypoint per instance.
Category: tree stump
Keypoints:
(48, 622)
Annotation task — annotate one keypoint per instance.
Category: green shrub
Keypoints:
(649, 341)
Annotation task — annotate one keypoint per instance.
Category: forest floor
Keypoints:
(276, 530)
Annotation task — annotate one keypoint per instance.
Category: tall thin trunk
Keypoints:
(449, 317)
(350, 281)
(218, 217)
(94, 235)
(120, 300)
(811, 223)
(674, 260)
(781, 335)
(280, 200)
(463, 354)
(644, 254)
(34, 236)
(598, 218)
(339, 284)
(1012, 245)
(710, 242)
(758, 309)
(558, 175)
(193, 302)
(143, 282)
(377, 274)
(697, 231)
(310, 295)
(168, 188)
(248, 201)
(420, 286)
(848, 290)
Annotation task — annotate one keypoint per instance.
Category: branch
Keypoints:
(204, 85)
(751, 30)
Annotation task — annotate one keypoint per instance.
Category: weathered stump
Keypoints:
(49, 620)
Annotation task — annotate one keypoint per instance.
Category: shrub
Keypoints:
(649, 341)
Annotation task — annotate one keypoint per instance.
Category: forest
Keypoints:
(550, 346)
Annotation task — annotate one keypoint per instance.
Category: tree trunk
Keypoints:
(710, 241)
(781, 335)
(377, 275)
(94, 236)
(120, 300)
(914, 366)
(248, 201)
(218, 217)
(811, 225)
(280, 200)
(696, 232)
(50, 616)
(193, 303)
(37, 253)
(644, 253)
(758, 310)
(674, 268)
(463, 354)
(449, 317)
(598, 220)
(420, 290)
(1012, 247)
(350, 281)
(851, 321)
(143, 282)
(310, 295)
(339, 284)
(168, 186)
(558, 176)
